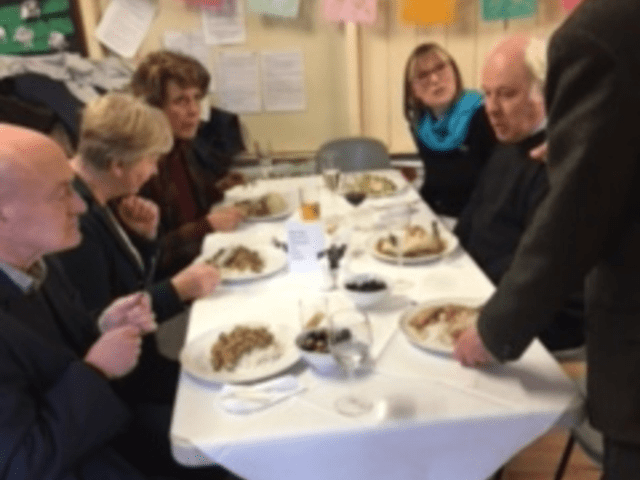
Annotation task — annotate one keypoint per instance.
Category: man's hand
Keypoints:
(195, 281)
(116, 352)
(230, 180)
(470, 351)
(539, 153)
(225, 219)
(140, 215)
(134, 310)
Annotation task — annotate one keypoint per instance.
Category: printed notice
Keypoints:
(280, 8)
(224, 27)
(238, 84)
(124, 25)
(283, 81)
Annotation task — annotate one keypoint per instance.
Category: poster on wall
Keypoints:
(356, 11)
(505, 9)
(421, 12)
(283, 81)
(238, 82)
(280, 8)
(569, 5)
(224, 25)
(40, 26)
(124, 25)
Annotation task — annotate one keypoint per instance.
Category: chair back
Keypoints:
(355, 153)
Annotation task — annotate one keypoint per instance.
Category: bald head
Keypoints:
(25, 157)
(38, 207)
(512, 86)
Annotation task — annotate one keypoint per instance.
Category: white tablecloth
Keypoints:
(462, 423)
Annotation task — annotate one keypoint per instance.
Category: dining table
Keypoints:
(432, 418)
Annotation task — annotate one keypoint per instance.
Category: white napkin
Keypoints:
(241, 399)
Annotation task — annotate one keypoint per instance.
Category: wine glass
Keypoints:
(350, 339)
(330, 170)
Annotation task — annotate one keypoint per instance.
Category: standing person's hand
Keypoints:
(196, 281)
(134, 309)
(470, 351)
(116, 352)
(540, 153)
(230, 180)
(140, 215)
(225, 219)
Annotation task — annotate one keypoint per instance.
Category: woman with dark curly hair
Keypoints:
(449, 126)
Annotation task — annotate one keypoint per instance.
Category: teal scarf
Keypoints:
(448, 132)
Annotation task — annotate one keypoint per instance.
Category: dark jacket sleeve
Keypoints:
(47, 438)
(593, 151)
(101, 274)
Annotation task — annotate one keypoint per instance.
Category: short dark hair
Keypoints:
(414, 109)
(156, 70)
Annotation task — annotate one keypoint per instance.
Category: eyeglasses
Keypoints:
(438, 70)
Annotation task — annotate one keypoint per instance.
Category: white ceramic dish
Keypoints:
(321, 362)
(274, 259)
(451, 245)
(434, 339)
(366, 299)
(195, 357)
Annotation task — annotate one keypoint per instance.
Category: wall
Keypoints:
(354, 74)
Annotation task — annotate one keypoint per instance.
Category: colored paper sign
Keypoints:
(356, 11)
(569, 5)
(281, 8)
(503, 9)
(427, 12)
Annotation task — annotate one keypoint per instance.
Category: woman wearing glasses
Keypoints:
(449, 126)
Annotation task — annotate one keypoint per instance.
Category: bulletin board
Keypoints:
(30, 27)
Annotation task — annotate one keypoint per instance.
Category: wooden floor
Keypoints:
(540, 460)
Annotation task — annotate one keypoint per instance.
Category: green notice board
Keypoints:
(39, 26)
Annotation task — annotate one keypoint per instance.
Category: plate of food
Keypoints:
(241, 263)
(437, 324)
(245, 352)
(414, 244)
(372, 185)
(270, 206)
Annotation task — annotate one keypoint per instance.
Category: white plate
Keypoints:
(274, 261)
(434, 342)
(195, 357)
(450, 238)
(400, 188)
(266, 218)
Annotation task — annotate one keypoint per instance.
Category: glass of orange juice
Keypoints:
(310, 202)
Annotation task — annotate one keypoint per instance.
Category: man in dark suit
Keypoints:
(59, 413)
(587, 226)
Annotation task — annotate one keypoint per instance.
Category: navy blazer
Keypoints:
(57, 415)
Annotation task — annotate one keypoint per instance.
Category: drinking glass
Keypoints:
(330, 171)
(350, 340)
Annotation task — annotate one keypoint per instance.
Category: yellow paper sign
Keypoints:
(426, 12)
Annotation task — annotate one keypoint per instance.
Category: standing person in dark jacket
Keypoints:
(587, 225)
(184, 189)
(59, 414)
(449, 126)
(512, 184)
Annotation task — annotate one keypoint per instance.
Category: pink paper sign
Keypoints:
(569, 5)
(357, 11)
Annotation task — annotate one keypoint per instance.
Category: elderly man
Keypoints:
(184, 189)
(512, 184)
(587, 225)
(59, 413)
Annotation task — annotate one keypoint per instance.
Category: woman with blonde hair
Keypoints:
(448, 124)
(121, 141)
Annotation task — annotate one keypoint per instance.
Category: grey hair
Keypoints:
(535, 60)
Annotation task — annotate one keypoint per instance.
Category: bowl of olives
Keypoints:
(366, 289)
(314, 348)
